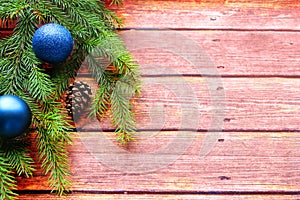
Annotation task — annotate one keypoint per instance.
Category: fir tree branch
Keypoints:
(116, 88)
(54, 160)
(131, 69)
(7, 180)
(39, 84)
(52, 139)
(110, 17)
(101, 102)
(121, 114)
(63, 73)
(18, 157)
(113, 49)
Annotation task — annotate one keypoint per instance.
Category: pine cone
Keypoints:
(78, 99)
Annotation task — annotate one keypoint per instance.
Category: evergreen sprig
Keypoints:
(7, 180)
(18, 156)
(92, 26)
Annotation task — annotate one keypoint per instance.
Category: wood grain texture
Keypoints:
(239, 162)
(227, 53)
(223, 14)
(261, 104)
(158, 197)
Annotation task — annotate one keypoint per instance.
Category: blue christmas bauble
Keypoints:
(15, 116)
(52, 43)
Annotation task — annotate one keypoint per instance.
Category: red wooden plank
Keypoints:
(156, 196)
(283, 14)
(240, 162)
(197, 103)
(227, 53)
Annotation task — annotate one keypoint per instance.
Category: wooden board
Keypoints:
(240, 104)
(227, 53)
(188, 14)
(169, 162)
(154, 197)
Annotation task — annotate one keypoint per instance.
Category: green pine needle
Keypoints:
(18, 157)
(7, 180)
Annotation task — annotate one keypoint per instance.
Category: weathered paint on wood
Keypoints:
(223, 14)
(262, 104)
(229, 53)
(159, 197)
(239, 161)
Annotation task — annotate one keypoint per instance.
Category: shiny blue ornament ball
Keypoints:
(15, 116)
(52, 43)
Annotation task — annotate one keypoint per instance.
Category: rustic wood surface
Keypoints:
(261, 104)
(207, 14)
(159, 197)
(250, 68)
(233, 53)
(239, 162)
